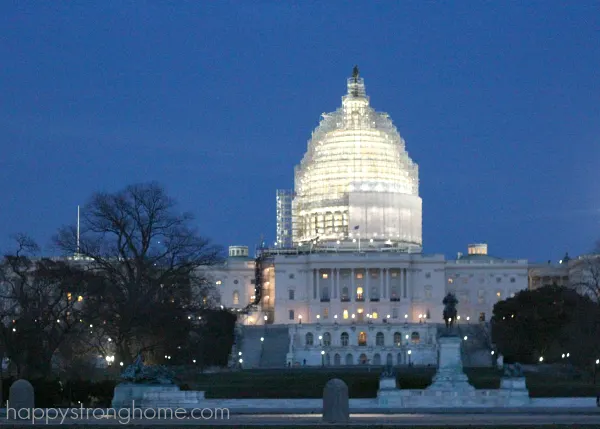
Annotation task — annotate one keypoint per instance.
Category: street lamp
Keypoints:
(541, 358)
(465, 338)
(409, 353)
(322, 357)
(262, 339)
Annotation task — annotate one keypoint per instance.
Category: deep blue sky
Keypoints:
(499, 103)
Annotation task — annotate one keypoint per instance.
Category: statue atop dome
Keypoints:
(355, 73)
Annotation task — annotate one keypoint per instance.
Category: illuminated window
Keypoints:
(218, 282)
(79, 298)
(359, 294)
(375, 315)
(69, 296)
(359, 276)
(325, 275)
(450, 281)
(362, 339)
(498, 294)
(236, 298)
(345, 314)
(325, 313)
(394, 274)
(359, 311)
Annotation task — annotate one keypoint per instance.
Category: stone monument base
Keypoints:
(132, 394)
(450, 386)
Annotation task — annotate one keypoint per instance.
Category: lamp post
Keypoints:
(322, 357)
(409, 353)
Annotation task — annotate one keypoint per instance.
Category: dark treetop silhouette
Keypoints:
(450, 312)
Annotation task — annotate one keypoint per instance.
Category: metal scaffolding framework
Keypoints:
(356, 177)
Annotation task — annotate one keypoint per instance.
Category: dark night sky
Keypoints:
(498, 103)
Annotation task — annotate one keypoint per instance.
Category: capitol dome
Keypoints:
(356, 180)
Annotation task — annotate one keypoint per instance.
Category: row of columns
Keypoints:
(384, 282)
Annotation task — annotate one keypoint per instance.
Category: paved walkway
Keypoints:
(409, 420)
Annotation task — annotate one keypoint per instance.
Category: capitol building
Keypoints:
(347, 281)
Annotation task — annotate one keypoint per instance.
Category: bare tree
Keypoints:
(585, 275)
(146, 256)
(39, 307)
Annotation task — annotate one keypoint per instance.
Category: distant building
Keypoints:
(351, 282)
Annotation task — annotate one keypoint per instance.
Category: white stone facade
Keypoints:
(362, 344)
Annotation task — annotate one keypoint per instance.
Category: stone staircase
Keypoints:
(476, 350)
(251, 346)
(275, 347)
(268, 354)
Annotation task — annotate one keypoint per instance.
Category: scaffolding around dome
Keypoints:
(356, 180)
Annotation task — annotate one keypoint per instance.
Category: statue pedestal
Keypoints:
(129, 395)
(515, 390)
(450, 375)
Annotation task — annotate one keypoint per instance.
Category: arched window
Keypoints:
(376, 359)
(397, 339)
(337, 360)
(349, 359)
(327, 359)
(379, 339)
(344, 339)
(389, 360)
(399, 359)
(362, 338)
(236, 297)
(326, 339)
(415, 337)
(310, 339)
(362, 359)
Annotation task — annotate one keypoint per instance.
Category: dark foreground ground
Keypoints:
(291, 421)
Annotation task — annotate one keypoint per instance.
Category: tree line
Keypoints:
(128, 282)
(553, 324)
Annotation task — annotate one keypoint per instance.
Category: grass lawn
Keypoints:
(364, 383)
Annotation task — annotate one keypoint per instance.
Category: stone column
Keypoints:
(367, 285)
(352, 285)
(318, 285)
(403, 281)
(337, 283)
(315, 275)
(381, 283)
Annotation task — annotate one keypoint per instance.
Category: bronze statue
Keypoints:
(450, 312)
(355, 73)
